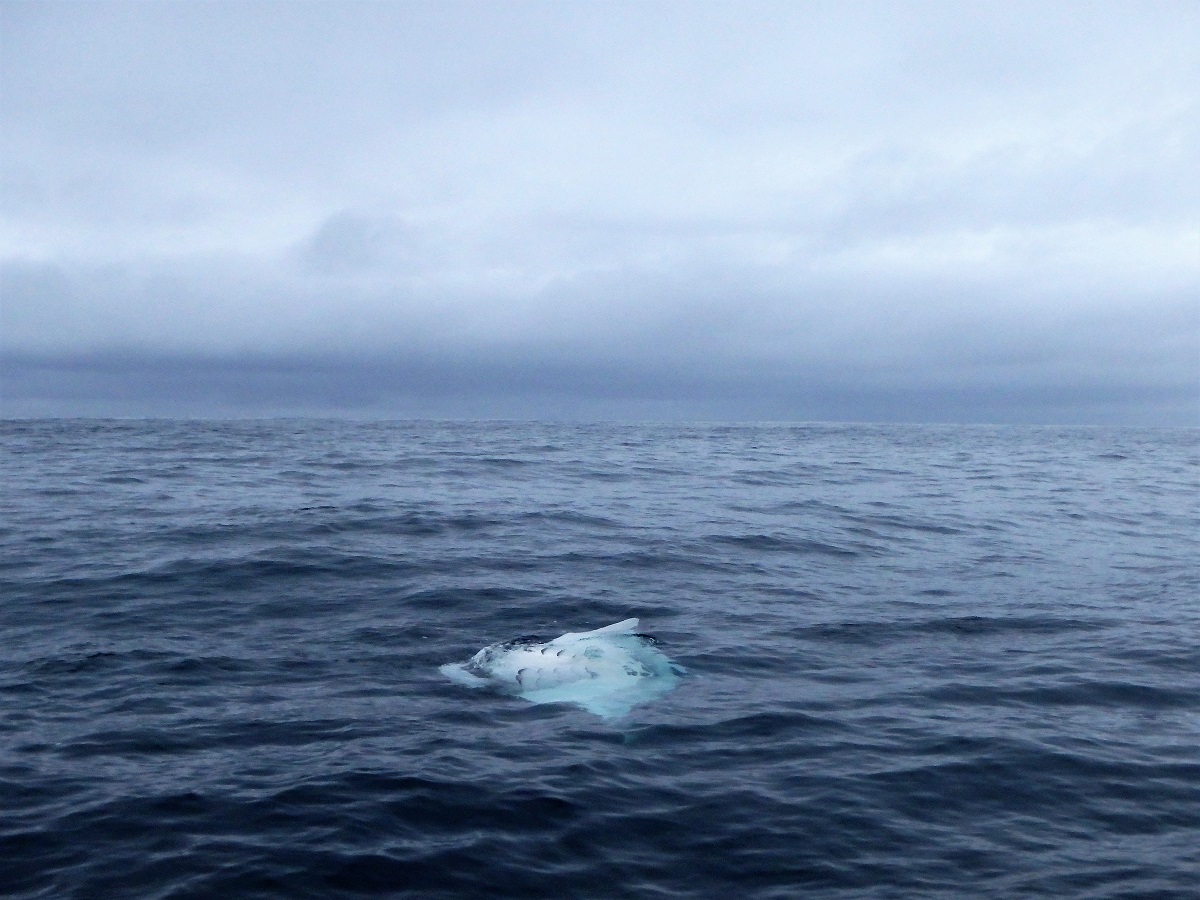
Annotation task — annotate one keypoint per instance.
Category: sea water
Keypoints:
(919, 661)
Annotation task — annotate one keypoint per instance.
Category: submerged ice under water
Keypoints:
(935, 662)
(607, 671)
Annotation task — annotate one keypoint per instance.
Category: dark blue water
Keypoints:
(921, 661)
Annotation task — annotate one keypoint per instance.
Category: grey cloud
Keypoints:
(730, 210)
(646, 341)
(347, 242)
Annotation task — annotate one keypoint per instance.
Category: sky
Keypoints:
(799, 211)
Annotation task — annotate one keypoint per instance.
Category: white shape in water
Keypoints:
(607, 671)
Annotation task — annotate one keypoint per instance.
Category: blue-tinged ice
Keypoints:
(607, 671)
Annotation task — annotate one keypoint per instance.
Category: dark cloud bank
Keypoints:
(979, 212)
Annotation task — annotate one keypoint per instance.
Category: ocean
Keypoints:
(915, 661)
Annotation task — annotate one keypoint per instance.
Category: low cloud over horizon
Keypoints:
(971, 212)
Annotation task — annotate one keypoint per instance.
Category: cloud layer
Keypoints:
(979, 212)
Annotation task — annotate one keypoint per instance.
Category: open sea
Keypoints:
(920, 661)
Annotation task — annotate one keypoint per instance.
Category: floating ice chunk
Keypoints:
(607, 671)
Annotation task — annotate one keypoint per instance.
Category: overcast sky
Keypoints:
(980, 212)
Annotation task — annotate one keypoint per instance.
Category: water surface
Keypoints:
(921, 661)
